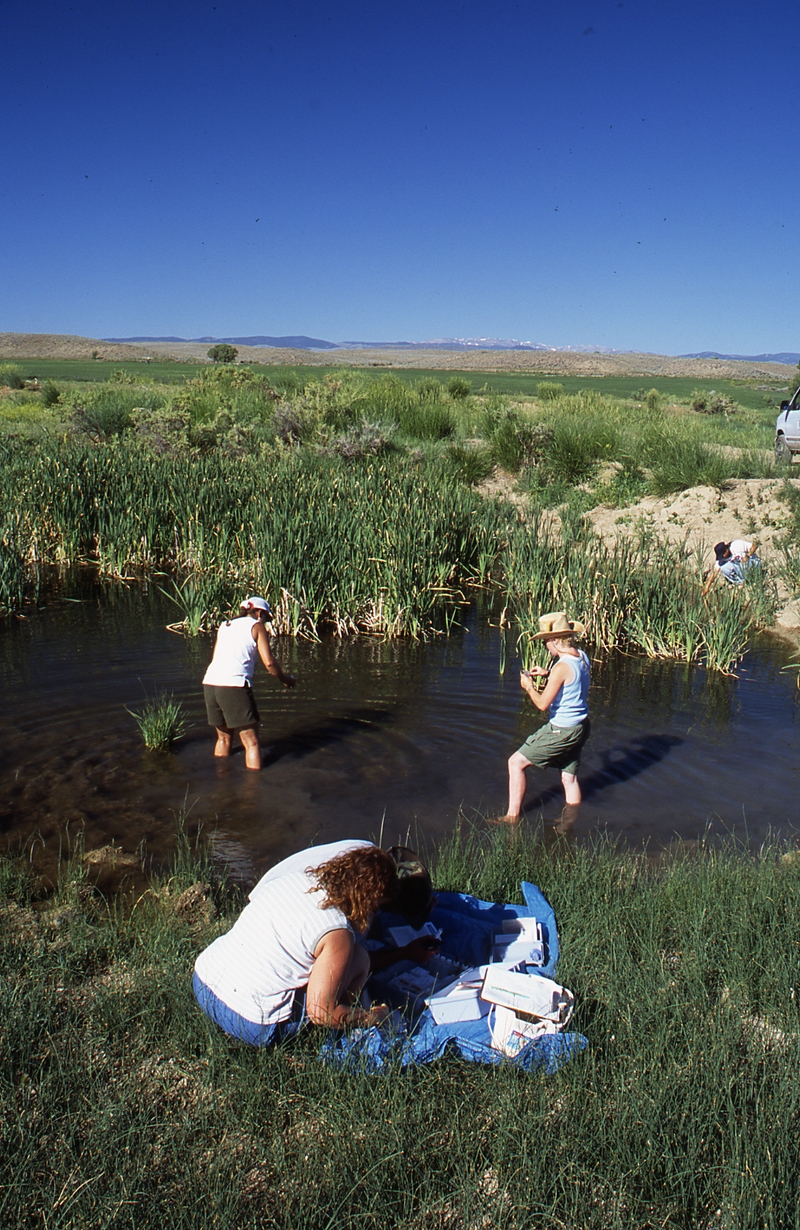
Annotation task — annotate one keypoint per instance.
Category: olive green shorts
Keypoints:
(557, 747)
(230, 708)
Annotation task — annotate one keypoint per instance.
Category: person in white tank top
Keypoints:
(296, 940)
(560, 742)
(227, 684)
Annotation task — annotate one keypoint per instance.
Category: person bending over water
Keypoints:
(228, 682)
(559, 743)
(292, 954)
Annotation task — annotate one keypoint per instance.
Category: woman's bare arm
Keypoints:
(271, 663)
(559, 675)
(327, 991)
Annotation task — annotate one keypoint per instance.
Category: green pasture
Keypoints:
(119, 1100)
(752, 395)
(98, 370)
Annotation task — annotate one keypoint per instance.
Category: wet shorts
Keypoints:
(230, 707)
(557, 747)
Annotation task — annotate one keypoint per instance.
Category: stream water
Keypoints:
(379, 738)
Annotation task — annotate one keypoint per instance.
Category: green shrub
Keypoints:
(164, 432)
(223, 352)
(11, 376)
(470, 464)
(363, 440)
(653, 399)
(549, 390)
(706, 401)
(459, 388)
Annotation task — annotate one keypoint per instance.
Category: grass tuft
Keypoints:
(161, 721)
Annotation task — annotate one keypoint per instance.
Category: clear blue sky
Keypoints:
(621, 174)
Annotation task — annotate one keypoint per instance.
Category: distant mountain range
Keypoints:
(783, 357)
(301, 342)
(293, 343)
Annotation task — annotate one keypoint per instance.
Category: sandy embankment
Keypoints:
(749, 508)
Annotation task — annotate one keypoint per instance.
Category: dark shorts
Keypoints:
(230, 707)
(557, 747)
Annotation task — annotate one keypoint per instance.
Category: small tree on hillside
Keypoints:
(223, 353)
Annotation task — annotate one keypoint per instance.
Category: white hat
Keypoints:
(258, 604)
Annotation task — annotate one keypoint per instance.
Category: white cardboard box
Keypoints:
(532, 994)
(520, 940)
(460, 1000)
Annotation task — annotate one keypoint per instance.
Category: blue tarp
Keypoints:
(468, 927)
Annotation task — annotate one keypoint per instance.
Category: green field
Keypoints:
(749, 394)
(97, 370)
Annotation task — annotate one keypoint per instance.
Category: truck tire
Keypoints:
(783, 454)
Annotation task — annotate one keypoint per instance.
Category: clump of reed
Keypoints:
(378, 546)
(639, 595)
(118, 1096)
(161, 721)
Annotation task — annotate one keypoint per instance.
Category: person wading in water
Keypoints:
(558, 744)
(228, 682)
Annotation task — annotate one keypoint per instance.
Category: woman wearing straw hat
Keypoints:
(559, 743)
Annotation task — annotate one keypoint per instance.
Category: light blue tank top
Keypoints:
(570, 706)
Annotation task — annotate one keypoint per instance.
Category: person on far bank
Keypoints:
(228, 682)
(732, 559)
(558, 744)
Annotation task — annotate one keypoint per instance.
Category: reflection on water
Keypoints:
(377, 738)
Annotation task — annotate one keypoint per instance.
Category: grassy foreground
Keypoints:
(121, 1107)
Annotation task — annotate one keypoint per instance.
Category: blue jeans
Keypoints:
(237, 1026)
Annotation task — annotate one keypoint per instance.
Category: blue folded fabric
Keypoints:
(468, 927)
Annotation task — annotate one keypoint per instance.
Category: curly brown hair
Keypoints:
(356, 882)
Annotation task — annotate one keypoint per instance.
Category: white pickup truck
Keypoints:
(787, 430)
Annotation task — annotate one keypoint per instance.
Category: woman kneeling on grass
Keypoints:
(292, 953)
(559, 743)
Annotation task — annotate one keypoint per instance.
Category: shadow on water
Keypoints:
(323, 734)
(618, 764)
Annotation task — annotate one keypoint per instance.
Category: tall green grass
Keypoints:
(373, 547)
(119, 1100)
(640, 595)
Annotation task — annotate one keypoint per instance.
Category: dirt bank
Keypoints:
(750, 508)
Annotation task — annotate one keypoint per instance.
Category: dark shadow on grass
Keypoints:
(310, 739)
(619, 764)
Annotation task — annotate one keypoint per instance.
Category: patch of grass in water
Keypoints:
(161, 721)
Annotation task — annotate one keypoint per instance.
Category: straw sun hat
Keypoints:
(557, 624)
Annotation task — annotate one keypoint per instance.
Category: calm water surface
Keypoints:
(398, 737)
